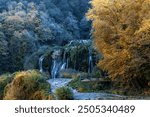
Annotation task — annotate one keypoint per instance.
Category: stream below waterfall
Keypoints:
(60, 82)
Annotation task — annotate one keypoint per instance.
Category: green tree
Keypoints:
(3, 53)
(21, 29)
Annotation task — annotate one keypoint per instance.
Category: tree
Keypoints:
(21, 27)
(3, 53)
(121, 31)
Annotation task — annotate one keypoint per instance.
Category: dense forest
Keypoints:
(74, 49)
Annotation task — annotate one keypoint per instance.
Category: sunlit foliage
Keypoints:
(27, 85)
(121, 31)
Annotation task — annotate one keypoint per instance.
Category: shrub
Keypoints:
(64, 93)
(76, 83)
(89, 85)
(38, 95)
(97, 73)
(81, 89)
(27, 85)
(4, 80)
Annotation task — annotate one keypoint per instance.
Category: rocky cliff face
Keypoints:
(27, 25)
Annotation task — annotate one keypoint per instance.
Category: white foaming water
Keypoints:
(41, 63)
(83, 42)
(63, 66)
(55, 68)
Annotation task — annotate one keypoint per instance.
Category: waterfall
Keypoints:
(53, 73)
(65, 61)
(90, 62)
(59, 63)
(63, 66)
(56, 68)
(81, 42)
(41, 63)
(71, 57)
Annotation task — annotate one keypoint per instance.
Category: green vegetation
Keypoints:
(64, 93)
(78, 53)
(96, 73)
(89, 86)
(4, 80)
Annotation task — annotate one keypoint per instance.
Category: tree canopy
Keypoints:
(121, 31)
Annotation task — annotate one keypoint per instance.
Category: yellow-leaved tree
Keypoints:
(121, 32)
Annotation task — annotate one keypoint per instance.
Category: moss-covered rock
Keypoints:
(75, 54)
(27, 85)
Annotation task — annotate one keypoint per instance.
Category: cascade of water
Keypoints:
(41, 63)
(61, 59)
(55, 68)
(65, 61)
(64, 56)
(82, 42)
(53, 73)
(59, 63)
(90, 62)
(63, 66)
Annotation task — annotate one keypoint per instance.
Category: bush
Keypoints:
(27, 85)
(64, 93)
(89, 85)
(38, 95)
(4, 80)
(78, 85)
(97, 73)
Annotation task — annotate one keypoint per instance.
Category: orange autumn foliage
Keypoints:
(121, 32)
